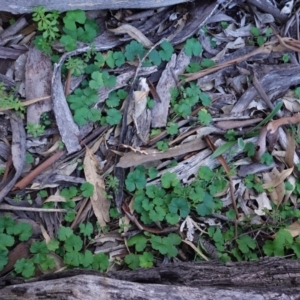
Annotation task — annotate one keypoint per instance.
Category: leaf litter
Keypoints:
(191, 134)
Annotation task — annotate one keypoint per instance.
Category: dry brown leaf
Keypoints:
(134, 149)
(99, 201)
(55, 198)
(290, 151)
(278, 192)
(45, 234)
(294, 229)
(134, 33)
(276, 180)
(263, 203)
(273, 126)
(197, 250)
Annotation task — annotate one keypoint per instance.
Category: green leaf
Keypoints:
(25, 267)
(139, 241)
(83, 115)
(204, 117)
(255, 31)
(193, 67)
(172, 128)
(29, 158)
(135, 180)
(113, 100)
(69, 42)
(162, 146)
(267, 159)
(48, 263)
(99, 60)
(297, 92)
(3, 258)
(166, 51)
(174, 239)
(97, 80)
(159, 244)
(109, 59)
(73, 243)
(197, 194)
(246, 243)
(206, 208)
(72, 17)
(261, 40)
(169, 179)
(250, 149)
(100, 262)
(157, 214)
(86, 258)
(6, 222)
(53, 245)
(205, 173)
(87, 189)
(6, 240)
(70, 216)
(119, 58)
(39, 247)
(179, 205)
(183, 109)
(64, 233)
(207, 63)
(192, 47)
(69, 193)
(222, 149)
(72, 258)
(152, 172)
(114, 116)
(88, 32)
(23, 230)
(285, 58)
(132, 261)
(268, 32)
(206, 100)
(172, 218)
(109, 80)
(146, 260)
(154, 57)
(133, 50)
(86, 229)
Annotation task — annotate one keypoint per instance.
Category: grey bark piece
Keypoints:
(161, 109)
(18, 150)
(38, 84)
(91, 287)
(69, 131)
(13, 29)
(266, 6)
(21, 6)
(276, 82)
(269, 278)
(168, 79)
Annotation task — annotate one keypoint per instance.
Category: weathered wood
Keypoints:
(89, 287)
(21, 6)
(271, 278)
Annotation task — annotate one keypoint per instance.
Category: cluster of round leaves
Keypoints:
(172, 201)
(143, 242)
(10, 232)
(67, 245)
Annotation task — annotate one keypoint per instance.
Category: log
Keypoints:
(271, 278)
(21, 6)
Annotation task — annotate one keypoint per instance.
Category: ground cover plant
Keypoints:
(168, 166)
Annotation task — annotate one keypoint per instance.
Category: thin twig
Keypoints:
(11, 207)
